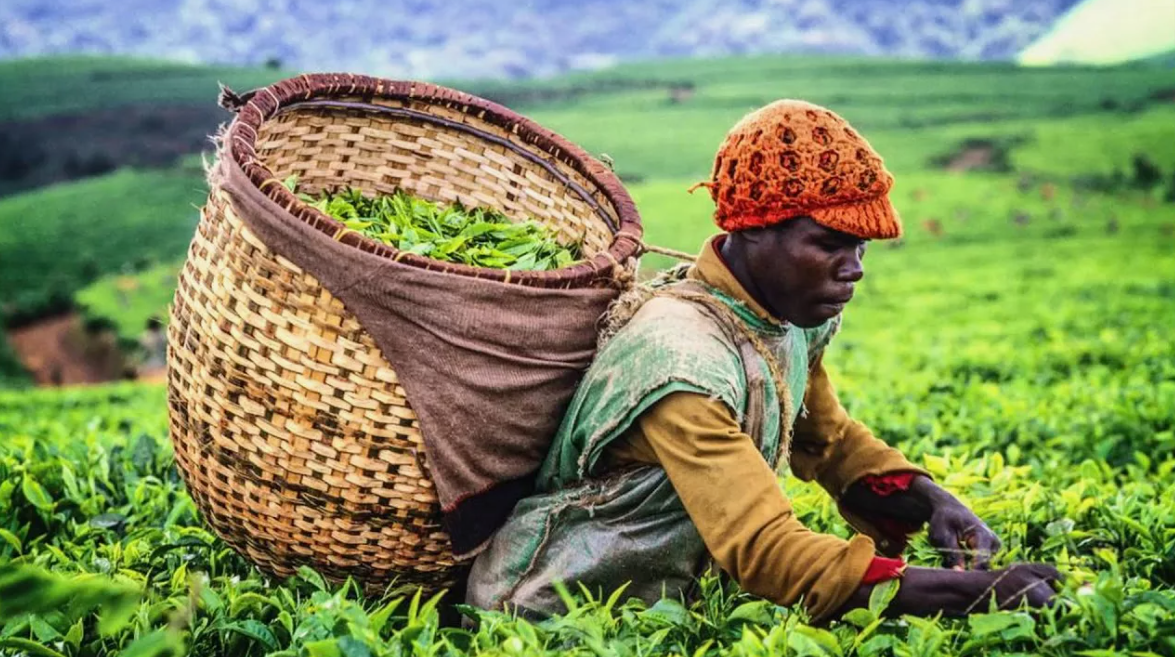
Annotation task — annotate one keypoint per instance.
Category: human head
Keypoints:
(800, 271)
(800, 191)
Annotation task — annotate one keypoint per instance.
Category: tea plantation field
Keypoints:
(1019, 341)
(58, 239)
(1031, 369)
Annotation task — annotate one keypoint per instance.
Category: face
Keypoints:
(802, 272)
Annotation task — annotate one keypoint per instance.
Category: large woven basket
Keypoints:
(290, 428)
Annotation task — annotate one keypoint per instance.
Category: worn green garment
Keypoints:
(607, 529)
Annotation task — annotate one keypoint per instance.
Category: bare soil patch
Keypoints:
(971, 159)
(60, 351)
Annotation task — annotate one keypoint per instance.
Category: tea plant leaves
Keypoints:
(35, 494)
(881, 596)
(11, 539)
(1007, 626)
(478, 237)
(29, 647)
(254, 630)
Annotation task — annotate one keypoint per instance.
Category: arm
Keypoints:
(842, 455)
(857, 469)
(746, 522)
(748, 526)
(831, 448)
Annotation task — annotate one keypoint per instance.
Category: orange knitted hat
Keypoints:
(794, 159)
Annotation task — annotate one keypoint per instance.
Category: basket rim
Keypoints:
(266, 103)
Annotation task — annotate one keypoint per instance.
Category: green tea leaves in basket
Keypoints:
(479, 237)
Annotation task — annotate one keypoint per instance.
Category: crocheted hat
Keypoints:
(794, 159)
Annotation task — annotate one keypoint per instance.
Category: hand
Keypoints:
(962, 538)
(930, 591)
(1023, 581)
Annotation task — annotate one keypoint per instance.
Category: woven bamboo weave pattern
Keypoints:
(302, 447)
(381, 156)
(291, 429)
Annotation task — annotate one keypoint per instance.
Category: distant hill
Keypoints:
(1108, 32)
(64, 118)
(470, 38)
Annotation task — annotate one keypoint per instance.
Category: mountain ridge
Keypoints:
(422, 39)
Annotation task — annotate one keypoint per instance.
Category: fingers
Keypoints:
(947, 543)
(1034, 584)
(983, 543)
(1037, 592)
(1041, 594)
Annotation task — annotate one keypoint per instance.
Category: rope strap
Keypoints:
(645, 247)
(672, 253)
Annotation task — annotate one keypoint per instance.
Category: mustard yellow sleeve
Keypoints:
(832, 448)
(742, 514)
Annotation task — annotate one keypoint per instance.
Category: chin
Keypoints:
(811, 321)
(819, 314)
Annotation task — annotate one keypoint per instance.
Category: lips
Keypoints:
(839, 300)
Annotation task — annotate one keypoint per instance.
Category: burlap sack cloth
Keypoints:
(489, 367)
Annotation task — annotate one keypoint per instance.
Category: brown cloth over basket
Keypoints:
(337, 403)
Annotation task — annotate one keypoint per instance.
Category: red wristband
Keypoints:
(883, 569)
(888, 484)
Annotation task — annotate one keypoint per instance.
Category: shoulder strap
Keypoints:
(750, 349)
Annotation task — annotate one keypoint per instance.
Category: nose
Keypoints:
(850, 269)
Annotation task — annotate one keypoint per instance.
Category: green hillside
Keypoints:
(128, 301)
(628, 112)
(906, 108)
(56, 240)
(40, 87)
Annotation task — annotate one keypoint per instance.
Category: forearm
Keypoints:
(786, 562)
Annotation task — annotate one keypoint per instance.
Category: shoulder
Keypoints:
(669, 346)
(673, 334)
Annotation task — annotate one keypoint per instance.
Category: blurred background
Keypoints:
(1033, 143)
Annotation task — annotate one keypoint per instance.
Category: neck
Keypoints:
(736, 262)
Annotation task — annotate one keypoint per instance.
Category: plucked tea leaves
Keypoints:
(478, 237)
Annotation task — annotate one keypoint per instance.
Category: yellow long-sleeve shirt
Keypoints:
(733, 496)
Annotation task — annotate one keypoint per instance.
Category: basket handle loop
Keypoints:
(231, 100)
